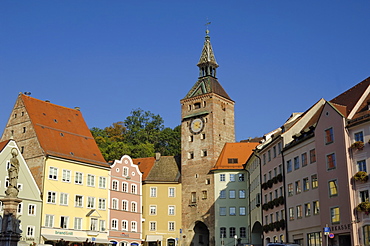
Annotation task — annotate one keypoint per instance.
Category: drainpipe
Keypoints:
(259, 158)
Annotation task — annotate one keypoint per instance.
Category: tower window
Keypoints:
(189, 107)
(193, 197)
(196, 105)
(190, 138)
(204, 153)
(24, 129)
(191, 155)
(204, 104)
(203, 136)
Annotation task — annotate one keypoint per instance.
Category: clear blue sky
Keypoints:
(110, 57)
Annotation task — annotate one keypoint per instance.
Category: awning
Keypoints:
(100, 240)
(153, 238)
(64, 237)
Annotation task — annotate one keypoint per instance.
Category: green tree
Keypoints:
(140, 135)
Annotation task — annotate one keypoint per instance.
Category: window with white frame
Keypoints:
(90, 202)
(102, 182)
(94, 224)
(78, 223)
(361, 165)
(359, 136)
(222, 211)
(64, 222)
(133, 207)
(102, 225)
(133, 189)
(124, 205)
(78, 201)
(114, 224)
(222, 177)
(53, 173)
(153, 192)
(30, 231)
(125, 171)
(153, 209)
(90, 180)
(171, 192)
(133, 226)
(51, 197)
(171, 210)
(114, 203)
(32, 209)
(66, 176)
(124, 225)
(153, 226)
(114, 185)
(49, 220)
(78, 178)
(102, 203)
(63, 199)
(171, 226)
(124, 187)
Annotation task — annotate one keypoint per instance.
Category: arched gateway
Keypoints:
(201, 235)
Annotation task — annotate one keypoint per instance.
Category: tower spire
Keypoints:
(207, 63)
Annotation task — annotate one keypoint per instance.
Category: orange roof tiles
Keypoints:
(62, 132)
(145, 165)
(240, 151)
(350, 97)
(3, 144)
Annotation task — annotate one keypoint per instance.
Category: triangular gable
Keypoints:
(93, 213)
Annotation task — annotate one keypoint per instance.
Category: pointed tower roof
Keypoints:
(207, 55)
(207, 82)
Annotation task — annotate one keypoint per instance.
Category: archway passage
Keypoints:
(256, 234)
(201, 235)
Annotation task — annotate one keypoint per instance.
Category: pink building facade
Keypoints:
(125, 203)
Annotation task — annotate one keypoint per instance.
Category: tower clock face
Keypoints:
(197, 125)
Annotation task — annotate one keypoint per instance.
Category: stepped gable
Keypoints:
(350, 97)
(62, 132)
(240, 151)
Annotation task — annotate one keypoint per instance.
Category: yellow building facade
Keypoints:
(75, 202)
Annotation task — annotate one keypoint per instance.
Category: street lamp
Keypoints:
(236, 237)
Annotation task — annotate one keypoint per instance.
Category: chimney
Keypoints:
(77, 108)
(157, 156)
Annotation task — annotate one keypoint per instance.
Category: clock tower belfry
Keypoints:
(207, 114)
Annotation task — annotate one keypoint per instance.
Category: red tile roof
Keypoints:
(62, 132)
(145, 165)
(3, 144)
(240, 151)
(350, 97)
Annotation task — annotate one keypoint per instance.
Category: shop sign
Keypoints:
(341, 227)
(64, 233)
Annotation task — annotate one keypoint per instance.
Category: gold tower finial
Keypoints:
(207, 24)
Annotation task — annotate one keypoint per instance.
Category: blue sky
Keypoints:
(110, 57)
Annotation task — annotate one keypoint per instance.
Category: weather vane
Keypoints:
(207, 24)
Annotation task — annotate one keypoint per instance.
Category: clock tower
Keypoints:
(207, 114)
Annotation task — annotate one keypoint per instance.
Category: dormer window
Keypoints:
(232, 160)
